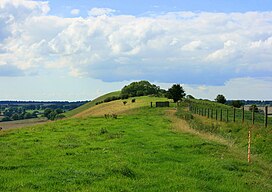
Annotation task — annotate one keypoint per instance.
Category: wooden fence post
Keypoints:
(243, 114)
(265, 115)
(151, 104)
(211, 113)
(221, 115)
(216, 114)
(249, 145)
(227, 115)
(253, 115)
(234, 114)
(208, 113)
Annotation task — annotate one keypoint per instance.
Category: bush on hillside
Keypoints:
(113, 98)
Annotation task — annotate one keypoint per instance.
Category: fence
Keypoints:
(233, 114)
(161, 104)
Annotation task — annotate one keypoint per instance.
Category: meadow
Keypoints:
(144, 149)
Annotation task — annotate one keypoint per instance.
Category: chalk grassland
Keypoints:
(145, 149)
(118, 107)
(91, 104)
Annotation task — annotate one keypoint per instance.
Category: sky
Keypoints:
(78, 50)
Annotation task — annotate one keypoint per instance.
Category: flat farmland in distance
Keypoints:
(22, 123)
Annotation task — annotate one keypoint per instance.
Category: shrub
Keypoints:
(133, 100)
(59, 116)
(124, 96)
(113, 98)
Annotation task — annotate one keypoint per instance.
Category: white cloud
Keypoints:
(100, 11)
(192, 46)
(75, 11)
(237, 88)
(185, 47)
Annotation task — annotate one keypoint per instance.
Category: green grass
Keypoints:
(136, 152)
(91, 104)
(213, 106)
(235, 132)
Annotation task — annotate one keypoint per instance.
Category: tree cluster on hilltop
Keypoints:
(141, 88)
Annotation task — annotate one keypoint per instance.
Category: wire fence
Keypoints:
(233, 114)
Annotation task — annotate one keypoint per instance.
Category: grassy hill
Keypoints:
(144, 149)
(90, 104)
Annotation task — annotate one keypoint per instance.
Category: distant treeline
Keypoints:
(41, 102)
(18, 110)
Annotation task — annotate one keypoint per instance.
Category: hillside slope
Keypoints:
(90, 104)
(118, 107)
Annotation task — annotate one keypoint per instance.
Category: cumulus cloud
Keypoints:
(75, 11)
(237, 88)
(100, 11)
(193, 48)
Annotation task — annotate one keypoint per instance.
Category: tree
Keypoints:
(236, 103)
(176, 92)
(15, 116)
(220, 99)
(140, 88)
(27, 115)
(47, 112)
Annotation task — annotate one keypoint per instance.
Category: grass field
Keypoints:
(144, 149)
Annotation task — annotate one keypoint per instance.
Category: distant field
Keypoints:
(22, 123)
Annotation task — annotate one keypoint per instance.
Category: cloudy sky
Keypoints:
(78, 50)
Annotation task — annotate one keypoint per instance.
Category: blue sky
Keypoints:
(78, 50)
(143, 6)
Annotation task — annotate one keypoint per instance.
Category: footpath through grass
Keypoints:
(137, 152)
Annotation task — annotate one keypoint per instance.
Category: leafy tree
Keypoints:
(220, 99)
(176, 92)
(15, 116)
(6, 119)
(140, 88)
(236, 103)
(59, 111)
(52, 115)
(46, 112)
(27, 116)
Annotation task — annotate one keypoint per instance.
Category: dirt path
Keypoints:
(182, 126)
